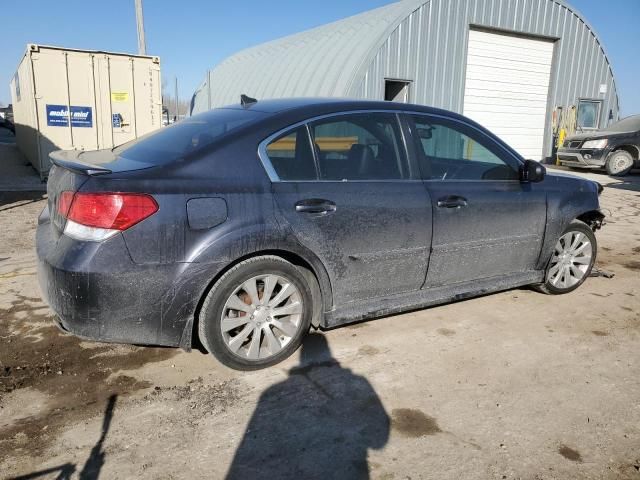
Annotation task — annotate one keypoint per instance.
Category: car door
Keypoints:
(343, 186)
(486, 223)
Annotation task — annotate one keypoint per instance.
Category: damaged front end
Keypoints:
(594, 218)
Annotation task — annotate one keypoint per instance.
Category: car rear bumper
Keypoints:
(99, 293)
(581, 158)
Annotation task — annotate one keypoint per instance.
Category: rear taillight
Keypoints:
(64, 203)
(98, 216)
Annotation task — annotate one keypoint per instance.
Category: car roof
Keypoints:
(280, 105)
(625, 125)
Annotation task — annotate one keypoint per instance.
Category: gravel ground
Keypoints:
(512, 385)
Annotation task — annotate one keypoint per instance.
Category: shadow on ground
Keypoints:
(10, 200)
(92, 467)
(318, 423)
(626, 185)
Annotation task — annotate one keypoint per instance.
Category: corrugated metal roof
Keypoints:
(319, 62)
(419, 40)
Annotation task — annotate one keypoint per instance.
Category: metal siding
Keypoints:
(420, 40)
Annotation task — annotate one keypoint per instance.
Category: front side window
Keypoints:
(447, 150)
(359, 147)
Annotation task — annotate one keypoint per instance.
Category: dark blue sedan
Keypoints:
(244, 226)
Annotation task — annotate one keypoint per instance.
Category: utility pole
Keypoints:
(176, 92)
(142, 46)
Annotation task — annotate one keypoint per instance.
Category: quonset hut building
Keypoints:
(512, 65)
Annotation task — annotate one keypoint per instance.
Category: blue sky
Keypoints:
(191, 36)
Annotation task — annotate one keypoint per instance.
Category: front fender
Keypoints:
(568, 198)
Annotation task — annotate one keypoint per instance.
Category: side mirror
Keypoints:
(532, 171)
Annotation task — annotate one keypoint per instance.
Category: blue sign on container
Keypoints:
(58, 116)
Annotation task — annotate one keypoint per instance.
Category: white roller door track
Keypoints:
(506, 88)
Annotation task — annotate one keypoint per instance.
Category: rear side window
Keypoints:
(291, 156)
(186, 137)
(359, 147)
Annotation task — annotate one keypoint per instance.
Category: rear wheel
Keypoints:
(256, 314)
(572, 260)
(619, 163)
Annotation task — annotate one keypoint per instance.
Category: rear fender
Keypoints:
(210, 261)
(237, 244)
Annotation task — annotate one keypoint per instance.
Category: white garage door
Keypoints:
(506, 88)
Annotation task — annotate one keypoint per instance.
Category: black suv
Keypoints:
(616, 148)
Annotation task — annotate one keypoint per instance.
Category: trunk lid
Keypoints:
(96, 162)
(71, 160)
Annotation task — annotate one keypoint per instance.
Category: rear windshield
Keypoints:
(185, 137)
(629, 124)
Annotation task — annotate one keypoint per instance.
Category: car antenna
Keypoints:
(246, 101)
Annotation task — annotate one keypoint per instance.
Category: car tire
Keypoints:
(257, 333)
(561, 272)
(619, 163)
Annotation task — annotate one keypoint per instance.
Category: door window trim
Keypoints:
(403, 118)
(402, 145)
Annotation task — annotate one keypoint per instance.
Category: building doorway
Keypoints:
(396, 90)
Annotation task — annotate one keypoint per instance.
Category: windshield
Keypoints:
(185, 137)
(629, 124)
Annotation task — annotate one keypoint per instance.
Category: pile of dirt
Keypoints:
(203, 398)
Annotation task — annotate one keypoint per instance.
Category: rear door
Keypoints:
(345, 189)
(486, 223)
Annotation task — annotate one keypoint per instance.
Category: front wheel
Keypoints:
(619, 163)
(256, 314)
(572, 260)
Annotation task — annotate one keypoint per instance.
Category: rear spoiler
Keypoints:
(69, 160)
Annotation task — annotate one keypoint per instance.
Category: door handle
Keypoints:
(316, 206)
(452, 201)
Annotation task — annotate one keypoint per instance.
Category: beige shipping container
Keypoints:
(67, 99)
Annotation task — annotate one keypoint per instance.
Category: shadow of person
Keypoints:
(318, 423)
(93, 465)
(95, 462)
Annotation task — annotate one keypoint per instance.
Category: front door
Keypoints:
(486, 223)
(347, 192)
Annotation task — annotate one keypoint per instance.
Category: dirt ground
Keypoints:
(512, 385)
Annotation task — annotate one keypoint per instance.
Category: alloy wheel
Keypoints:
(261, 317)
(571, 260)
